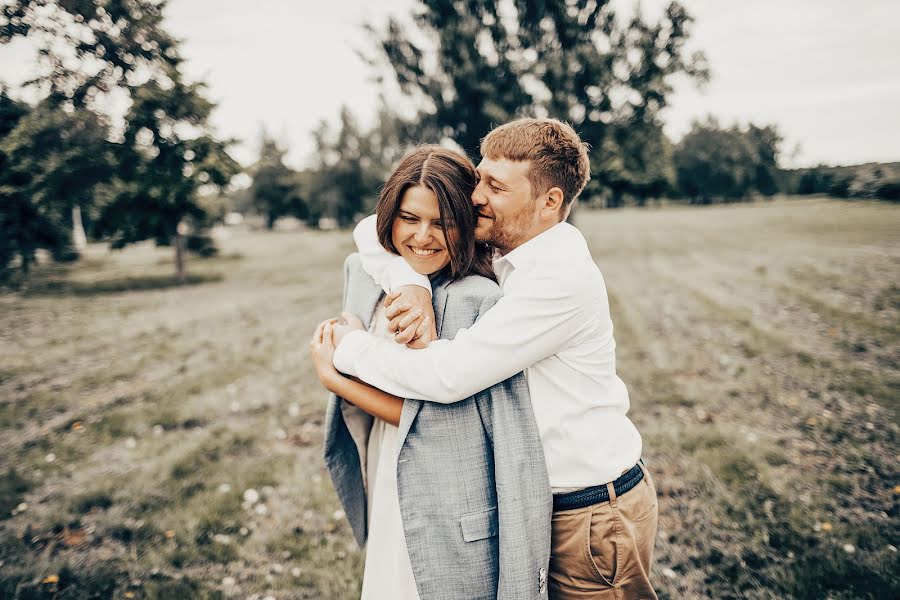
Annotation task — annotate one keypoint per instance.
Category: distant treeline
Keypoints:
(870, 180)
(461, 68)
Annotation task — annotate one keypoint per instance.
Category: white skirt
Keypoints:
(388, 573)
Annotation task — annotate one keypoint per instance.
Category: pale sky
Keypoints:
(826, 72)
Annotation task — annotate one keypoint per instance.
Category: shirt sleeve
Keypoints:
(534, 322)
(390, 271)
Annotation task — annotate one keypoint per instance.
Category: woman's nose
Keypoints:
(423, 234)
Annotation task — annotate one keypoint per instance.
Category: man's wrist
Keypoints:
(398, 274)
(350, 347)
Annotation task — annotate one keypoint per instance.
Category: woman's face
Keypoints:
(418, 232)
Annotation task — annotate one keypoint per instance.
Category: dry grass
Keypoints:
(760, 344)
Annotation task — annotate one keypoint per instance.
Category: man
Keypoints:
(553, 321)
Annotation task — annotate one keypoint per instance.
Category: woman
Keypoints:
(444, 512)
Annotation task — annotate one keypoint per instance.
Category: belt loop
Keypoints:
(612, 494)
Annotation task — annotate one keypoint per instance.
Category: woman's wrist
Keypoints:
(331, 380)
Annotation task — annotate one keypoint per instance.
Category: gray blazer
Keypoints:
(474, 495)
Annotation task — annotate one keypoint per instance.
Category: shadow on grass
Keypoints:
(63, 287)
(13, 487)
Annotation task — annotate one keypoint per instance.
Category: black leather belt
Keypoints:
(598, 493)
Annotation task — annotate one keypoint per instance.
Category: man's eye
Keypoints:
(495, 188)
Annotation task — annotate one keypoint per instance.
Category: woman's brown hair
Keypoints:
(451, 178)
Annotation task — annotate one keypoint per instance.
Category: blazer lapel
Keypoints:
(440, 303)
(411, 407)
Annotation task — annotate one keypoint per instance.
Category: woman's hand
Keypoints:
(321, 349)
(341, 327)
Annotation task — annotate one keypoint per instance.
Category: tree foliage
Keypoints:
(53, 160)
(169, 154)
(713, 163)
(476, 64)
(275, 191)
(350, 165)
(91, 47)
(869, 180)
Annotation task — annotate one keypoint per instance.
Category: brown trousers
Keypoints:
(604, 551)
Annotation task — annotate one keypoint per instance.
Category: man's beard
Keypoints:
(505, 234)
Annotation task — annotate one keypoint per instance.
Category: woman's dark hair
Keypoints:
(451, 177)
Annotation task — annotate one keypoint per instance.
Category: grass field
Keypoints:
(163, 442)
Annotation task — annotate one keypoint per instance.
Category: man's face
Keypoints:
(505, 201)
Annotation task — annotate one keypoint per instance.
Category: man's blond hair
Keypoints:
(557, 155)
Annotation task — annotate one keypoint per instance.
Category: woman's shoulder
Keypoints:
(353, 269)
(474, 287)
(353, 262)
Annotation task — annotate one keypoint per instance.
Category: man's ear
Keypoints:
(553, 204)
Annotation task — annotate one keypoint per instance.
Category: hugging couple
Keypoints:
(478, 436)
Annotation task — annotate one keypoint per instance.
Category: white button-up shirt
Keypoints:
(553, 322)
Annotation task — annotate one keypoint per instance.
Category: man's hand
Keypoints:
(349, 322)
(411, 316)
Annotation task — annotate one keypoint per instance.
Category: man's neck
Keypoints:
(528, 236)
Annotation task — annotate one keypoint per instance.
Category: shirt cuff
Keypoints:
(398, 273)
(345, 355)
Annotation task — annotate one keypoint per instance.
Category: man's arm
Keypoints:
(522, 328)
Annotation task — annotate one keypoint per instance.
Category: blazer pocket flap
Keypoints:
(479, 525)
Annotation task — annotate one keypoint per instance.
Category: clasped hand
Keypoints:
(411, 316)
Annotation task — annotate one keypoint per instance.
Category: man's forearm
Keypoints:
(509, 338)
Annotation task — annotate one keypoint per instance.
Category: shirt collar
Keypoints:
(528, 253)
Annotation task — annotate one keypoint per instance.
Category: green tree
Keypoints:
(351, 164)
(54, 159)
(163, 171)
(713, 163)
(484, 62)
(18, 237)
(90, 48)
(87, 48)
(275, 189)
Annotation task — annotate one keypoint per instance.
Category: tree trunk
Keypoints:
(79, 239)
(180, 271)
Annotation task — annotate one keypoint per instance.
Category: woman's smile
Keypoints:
(424, 252)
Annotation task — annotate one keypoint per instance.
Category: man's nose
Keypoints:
(478, 199)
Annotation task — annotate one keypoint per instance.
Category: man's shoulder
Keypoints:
(573, 277)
